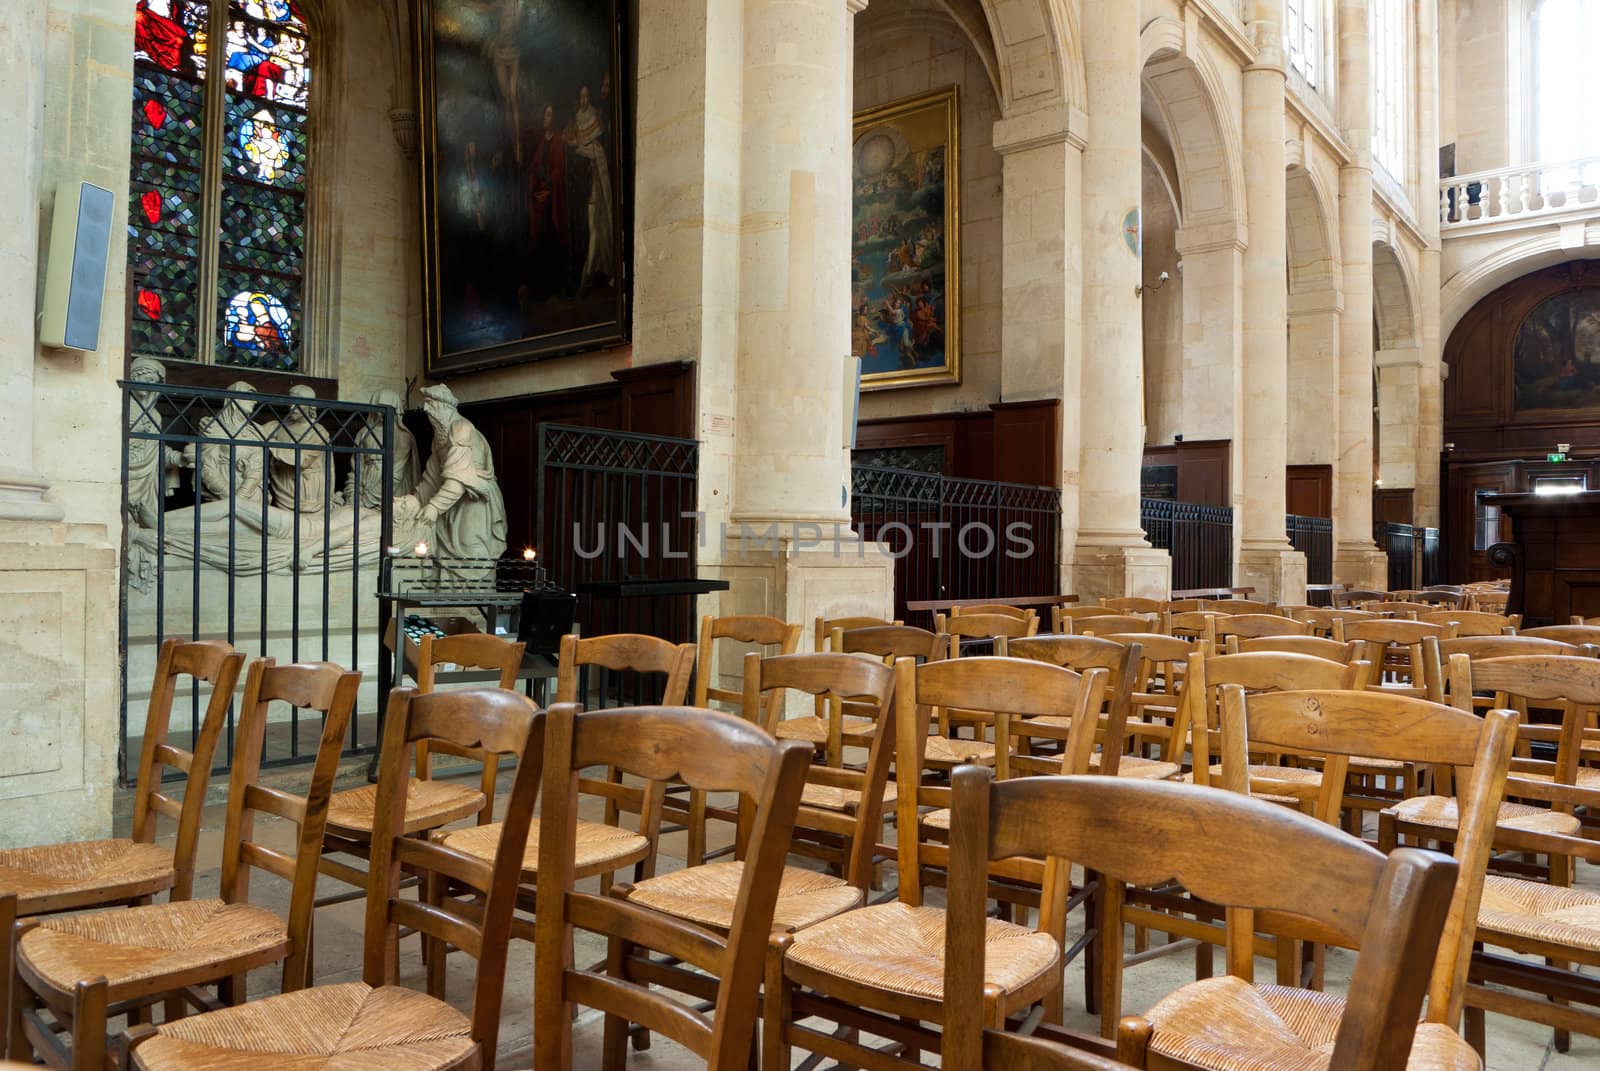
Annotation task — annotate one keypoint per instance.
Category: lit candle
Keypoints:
(528, 554)
(421, 549)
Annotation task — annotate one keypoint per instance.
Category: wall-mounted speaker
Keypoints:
(75, 278)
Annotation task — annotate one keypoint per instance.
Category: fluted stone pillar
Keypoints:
(1356, 560)
(789, 550)
(1111, 555)
(1266, 561)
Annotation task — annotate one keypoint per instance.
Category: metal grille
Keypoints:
(1414, 558)
(614, 506)
(1313, 537)
(210, 554)
(1199, 539)
(958, 538)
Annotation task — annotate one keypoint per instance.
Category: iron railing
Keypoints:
(619, 506)
(1414, 557)
(955, 538)
(256, 519)
(1313, 537)
(1198, 538)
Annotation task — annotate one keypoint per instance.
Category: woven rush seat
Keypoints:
(1139, 766)
(900, 948)
(815, 730)
(89, 872)
(709, 895)
(429, 804)
(1518, 908)
(339, 1027)
(155, 941)
(844, 800)
(1229, 1025)
(943, 751)
(1439, 812)
(601, 848)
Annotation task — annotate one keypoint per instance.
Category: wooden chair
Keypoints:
(773, 637)
(840, 805)
(1473, 622)
(1315, 646)
(892, 642)
(1395, 650)
(826, 626)
(1324, 621)
(51, 878)
(1233, 607)
(881, 968)
(1021, 613)
(1021, 1052)
(1133, 604)
(713, 753)
(1106, 626)
(1455, 599)
(978, 629)
(1404, 609)
(1060, 615)
(1254, 625)
(84, 968)
(1121, 662)
(430, 803)
(1283, 866)
(1154, 720)
(1339, 725)
(374, 1022)
(1195, 625)
(1575, 634)
(1352, 599)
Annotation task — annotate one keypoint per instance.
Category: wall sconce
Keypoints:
(1161, 281)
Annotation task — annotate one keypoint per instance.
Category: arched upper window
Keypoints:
(217, 224)
(1562, 41)
(1391, 85)
(1302, 38)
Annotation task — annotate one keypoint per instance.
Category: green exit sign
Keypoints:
(1555, 457)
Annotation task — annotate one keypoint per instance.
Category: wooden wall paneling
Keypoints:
(1309, 490)
(1393, 505)
(1204, 475)
(1026, 442)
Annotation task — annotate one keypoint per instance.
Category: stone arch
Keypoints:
(1393, 299)
(1162, 305)
(1313, 323)
(1182, 97)
(1312, 241)
(1491, 271)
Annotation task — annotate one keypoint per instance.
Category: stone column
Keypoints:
(1266, 561)
(1356, 559)
(790, 552)
(1430, 401)
(1041, 328)
(1400, 457)
(22, 84)
(1111, 556)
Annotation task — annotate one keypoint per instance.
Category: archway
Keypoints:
(1313, 326)
(1397, 359)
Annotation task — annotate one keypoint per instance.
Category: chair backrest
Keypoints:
(1279, 863)
(824, 628)
(1165, 659)
(331, 691)
(1233, 607)
(1315, 646)
(892, 642)
(1081, 654)
(1436, 596)
(1107, 626)
(626, 652)
(1021, 613)
(1208, 675)
(1568, 683)
(1356, 597)
(773, 635)
(1195, 625)
(1060, 615)
(218, 665)
(710, 752)
(982, 627)
(492, 720)
(1578, 634)
(834, 678)
(1004, 688)
(1343, 724)
(468, 650)
(1134, 604)
(1252, 625)
(1476, 647)
(1471, 622)
(1401, 608)
(1324, 621)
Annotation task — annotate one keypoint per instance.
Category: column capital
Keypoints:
(1052, 124)
(1228, 236)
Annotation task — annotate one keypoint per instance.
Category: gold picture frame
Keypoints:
(905, 251)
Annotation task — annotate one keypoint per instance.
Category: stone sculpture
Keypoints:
(459, 493)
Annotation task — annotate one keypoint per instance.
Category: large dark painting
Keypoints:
(1556, 359)
(526, 179)
(905, 286)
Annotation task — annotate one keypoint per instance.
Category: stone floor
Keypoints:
(1513, 1045)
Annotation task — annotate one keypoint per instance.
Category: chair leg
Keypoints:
(89, 1025)
(614, 1043)
(697, 827)
(777, 1007)
(1109, 923)
(1472, 1021)
(8, 979)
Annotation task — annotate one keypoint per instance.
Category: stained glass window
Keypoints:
(218, 270)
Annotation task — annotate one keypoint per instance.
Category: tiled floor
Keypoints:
(1513, 1045)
